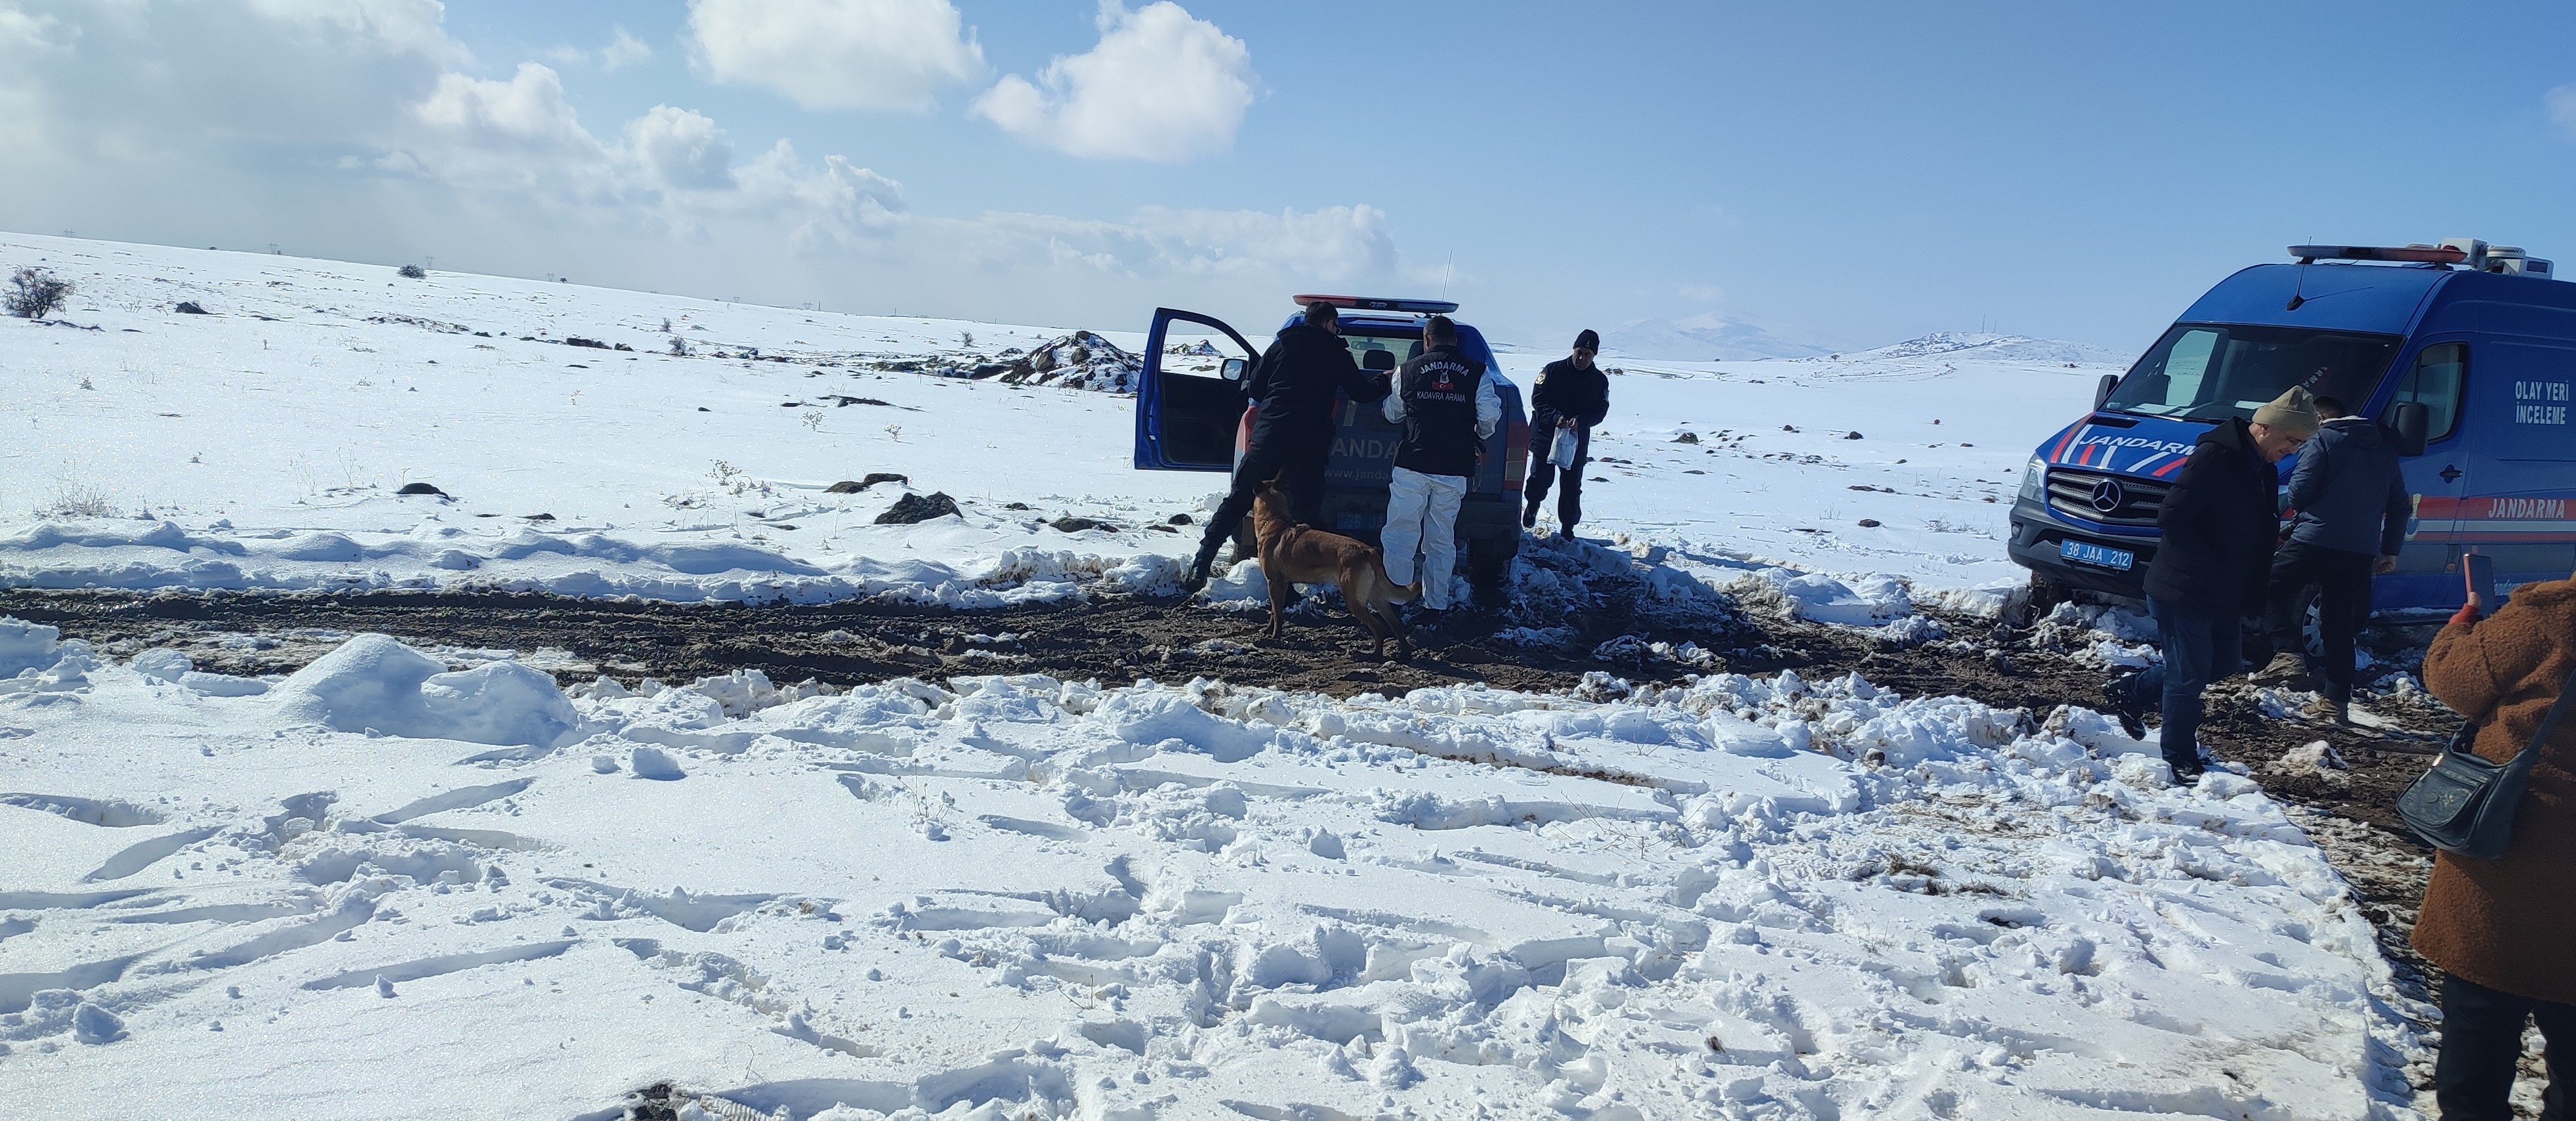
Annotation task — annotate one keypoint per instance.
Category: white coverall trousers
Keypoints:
(1422, 513)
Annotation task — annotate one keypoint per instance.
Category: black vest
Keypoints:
(1439, 388)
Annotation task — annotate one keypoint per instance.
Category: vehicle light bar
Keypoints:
(1382, 303)
(2422, 254)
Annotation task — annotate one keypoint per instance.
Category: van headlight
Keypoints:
(2034, 480)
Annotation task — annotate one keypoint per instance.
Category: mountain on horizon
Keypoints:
(1701, 338)
(1988, 346)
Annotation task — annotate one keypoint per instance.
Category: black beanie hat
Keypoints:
(1588, 340)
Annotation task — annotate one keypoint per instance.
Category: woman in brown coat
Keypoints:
(2504, 930)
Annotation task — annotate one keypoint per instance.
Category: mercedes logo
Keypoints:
(2107, 495)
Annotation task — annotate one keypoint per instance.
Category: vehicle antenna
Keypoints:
(2299, 287)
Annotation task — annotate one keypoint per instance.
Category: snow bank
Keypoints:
(1011, 896)
(373, 683)
(25, 646)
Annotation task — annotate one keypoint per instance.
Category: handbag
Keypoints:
(2464, 805)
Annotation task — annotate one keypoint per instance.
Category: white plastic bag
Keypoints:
(1560, 453)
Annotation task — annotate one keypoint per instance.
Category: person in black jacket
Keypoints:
(2217, 526)
(1449, 408)
(2352, 509)
(1294, 388)
(1570, 396)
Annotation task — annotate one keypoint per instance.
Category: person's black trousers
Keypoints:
(2482, 1044)
(1569, 492)
(1300, 473)
(2343, 603)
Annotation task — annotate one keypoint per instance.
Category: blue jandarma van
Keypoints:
(2465, 351)
(1192, 415)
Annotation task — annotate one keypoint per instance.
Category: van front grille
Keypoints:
(2127, 500)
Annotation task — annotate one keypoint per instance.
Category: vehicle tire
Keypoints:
(2308, 609)
(2045, 595)
(1245, 545)
(1489, 563)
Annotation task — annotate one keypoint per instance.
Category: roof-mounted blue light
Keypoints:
(2417, 254)
(1383, 303)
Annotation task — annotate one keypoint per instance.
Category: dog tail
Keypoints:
(1397, 593)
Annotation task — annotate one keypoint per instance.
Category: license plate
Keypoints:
(2100, 556)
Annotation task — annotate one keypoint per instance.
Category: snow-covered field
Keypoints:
(389, 887)
(263, 445)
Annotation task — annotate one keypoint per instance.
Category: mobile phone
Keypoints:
(2479, 570)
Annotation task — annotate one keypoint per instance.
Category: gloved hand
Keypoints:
(2467, 616)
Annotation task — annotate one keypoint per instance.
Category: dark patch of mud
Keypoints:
(1113, 640)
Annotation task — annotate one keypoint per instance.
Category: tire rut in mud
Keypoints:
(1113, 639)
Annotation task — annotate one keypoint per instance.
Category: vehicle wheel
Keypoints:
(2045, 595)
(2310, 613)
(1489, 563)
(1245, 545)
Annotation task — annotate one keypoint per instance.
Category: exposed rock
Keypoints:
(845, 486)
(421, 488)
(1070, 524)
(913, 508)
(1687, 438)
(1081, 360)
(190, 307)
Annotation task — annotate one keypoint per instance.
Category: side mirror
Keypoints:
(2406, 423)
(2102, 392)
(1233, 370)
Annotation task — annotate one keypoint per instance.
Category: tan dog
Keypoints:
(1294, 554)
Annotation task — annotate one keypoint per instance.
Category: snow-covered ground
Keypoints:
(263, 445)
(387, 886)
(380, 889)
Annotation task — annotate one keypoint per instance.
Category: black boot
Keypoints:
(1529, 513)
(2120, 695)
(1199, 568)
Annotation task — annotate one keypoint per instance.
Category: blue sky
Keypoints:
(1843, 174)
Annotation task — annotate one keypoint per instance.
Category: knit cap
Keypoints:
(2294, 412)
(1588, 340)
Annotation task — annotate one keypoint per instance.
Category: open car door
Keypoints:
(1191, 400)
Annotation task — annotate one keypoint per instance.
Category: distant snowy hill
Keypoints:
(1700, 338)
(1987, 347)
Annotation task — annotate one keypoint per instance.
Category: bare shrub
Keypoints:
(413, 272)
(77, 498)
(35, 293)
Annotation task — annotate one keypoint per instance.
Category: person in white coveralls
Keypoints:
(1448, 406)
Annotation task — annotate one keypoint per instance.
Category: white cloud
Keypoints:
(1701, 293)
(2562, 107)
(837, 54)
(360, 131)
(682, 148)
(623, 50)
(1161, 85)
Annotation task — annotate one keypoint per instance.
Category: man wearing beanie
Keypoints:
(2217, 526)
(1570, 397)
(1292, 433)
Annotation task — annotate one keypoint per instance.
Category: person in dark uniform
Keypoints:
(1293, 387)
(1571, 396)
